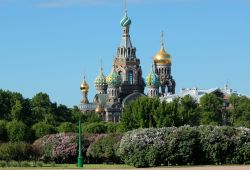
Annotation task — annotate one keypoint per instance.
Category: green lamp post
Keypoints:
(80, 158)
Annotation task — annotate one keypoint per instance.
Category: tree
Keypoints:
(16, 111)
(42, 128)
(3, 131)
(67, 127)
(239, 114)
(188, 111)
(42, 109)
(17, 131)
(211, 107)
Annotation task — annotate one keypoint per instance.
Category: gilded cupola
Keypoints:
(84, 87)
(162, 57)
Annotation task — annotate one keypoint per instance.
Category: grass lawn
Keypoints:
(121, 167)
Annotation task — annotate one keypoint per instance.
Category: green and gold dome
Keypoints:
(114, 79)
(100, 80)
(152, 80)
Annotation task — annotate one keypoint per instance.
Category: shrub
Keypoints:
(96, 128)
(186, 145)
(3, 131)
(3, 163)
(17, 131)
(18, 151)
(41, 129)
(105, 149)
(14, 164)
(183, 146)
(144, 147)
(67, 127)
(218, 143)
(25, 164)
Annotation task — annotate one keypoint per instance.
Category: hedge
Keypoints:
(185, 146)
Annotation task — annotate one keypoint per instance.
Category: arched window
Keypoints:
(130, 77)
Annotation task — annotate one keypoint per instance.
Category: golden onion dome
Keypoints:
(84, 86)
(162, 57)
(99, 109)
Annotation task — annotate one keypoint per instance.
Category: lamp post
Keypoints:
(80, 158)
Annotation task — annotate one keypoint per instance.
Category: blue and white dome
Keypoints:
(126, 21)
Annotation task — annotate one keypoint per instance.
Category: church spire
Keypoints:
(162, 40)
(126, 44)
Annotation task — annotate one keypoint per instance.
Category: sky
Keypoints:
(47, 45)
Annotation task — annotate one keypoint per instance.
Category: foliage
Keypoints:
(3, 131)
(96, 128)
(17, 131)
(41, 129)
(67, 127)
(18, 151)
(105, 149)
(185, 145)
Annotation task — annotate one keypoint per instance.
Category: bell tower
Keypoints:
(126, 64)
(163, 62)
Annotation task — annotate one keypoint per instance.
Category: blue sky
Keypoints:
(46, 45)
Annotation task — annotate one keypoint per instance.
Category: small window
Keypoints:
(131, 77)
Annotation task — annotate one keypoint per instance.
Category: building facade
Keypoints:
(125, 81)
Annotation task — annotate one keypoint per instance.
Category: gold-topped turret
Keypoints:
(162, 57)
(84, 86)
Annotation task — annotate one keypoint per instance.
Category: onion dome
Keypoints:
(152, 80)
(114, 79)
(100, 80)
(84, 86)
(162, 57)
(126, 21)
(99, 109)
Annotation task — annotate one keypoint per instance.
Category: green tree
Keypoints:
(42, 128)
(239, 114)
(3, 131)
(67, 127)
(16, 111)
(188, 111)
(42, 109)
(211, 107)
(17, 131)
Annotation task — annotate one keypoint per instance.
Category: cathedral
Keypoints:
(125, 81)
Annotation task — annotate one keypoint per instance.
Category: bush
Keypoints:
(3, 163)
(183, 147)
(18, 151)
(3, 131)
(186, 145)
(61, 148)
(14, 164)
(17, 131)
(41, 129)
(96, 128)
(67, 127)
(144, 147)
(105, 149)
(25, 164)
